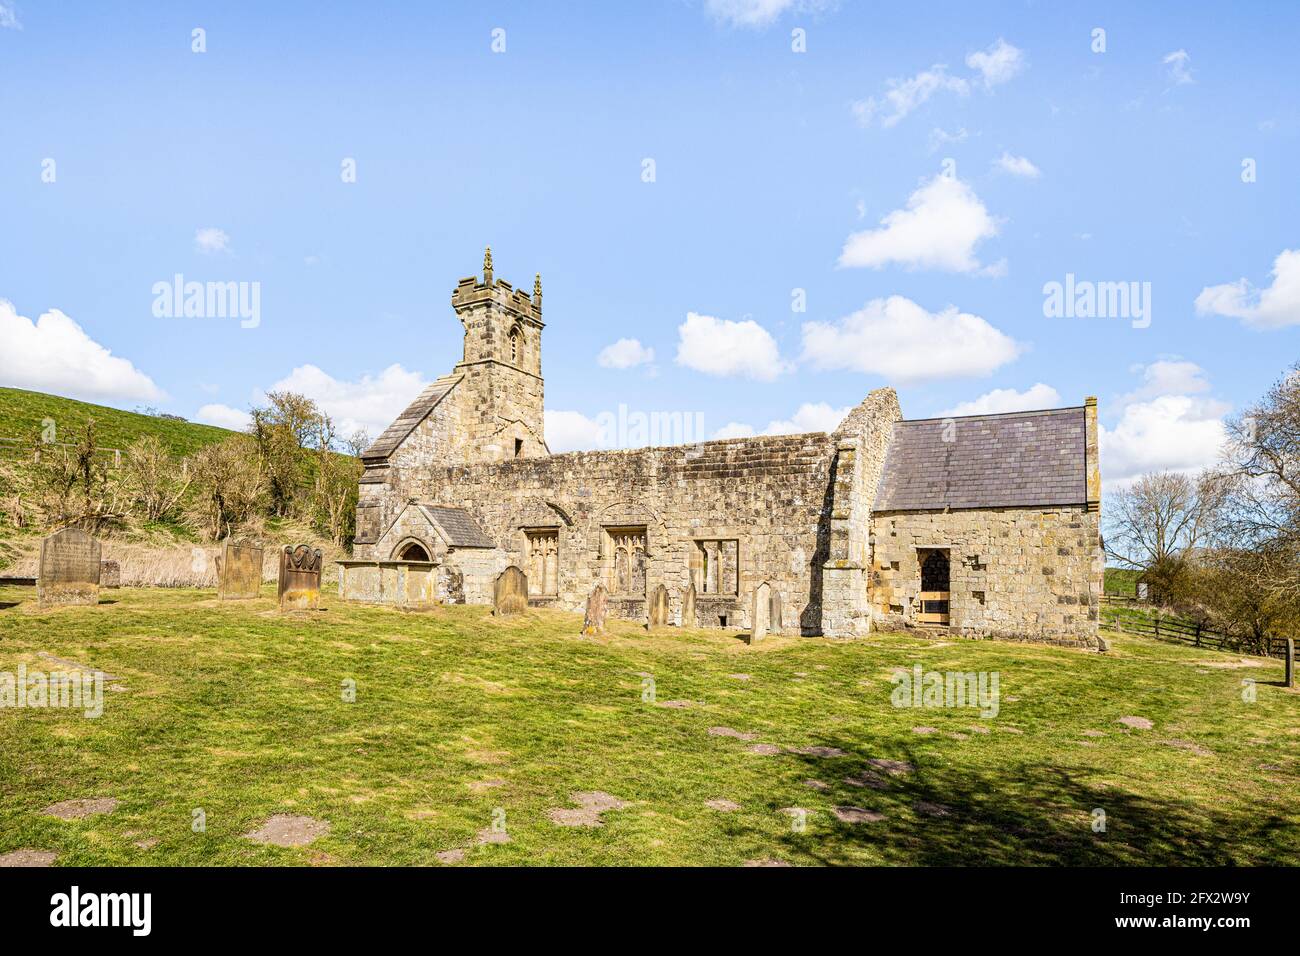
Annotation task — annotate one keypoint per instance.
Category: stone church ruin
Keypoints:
(982, 526)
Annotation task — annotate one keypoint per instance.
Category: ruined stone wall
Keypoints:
(769, 494)
(1018, 574)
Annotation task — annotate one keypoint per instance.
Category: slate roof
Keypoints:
(457, 526)
(1019, 459)
(415, 413)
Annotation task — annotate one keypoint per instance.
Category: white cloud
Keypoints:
(900, 340)
(1180, 69)
(998, 64)
(757, 14)
(722, 347)
(9, 17)
(54, 354)
(943, 223)
(1273, 308)
(223, 416)
(1002, 400)
(211, 240)
(1165, 425)
(625, 353)
(907, 94)
(371, 402)
(572, 431)
(1017, 166)
(810, 417)
(1170, 376)
(941, 137)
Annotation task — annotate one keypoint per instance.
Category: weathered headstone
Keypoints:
(239, 572)
(1290, 662)
(593, 621)
(110, 574)
(688, 607)
(510, 594)
(658, 616)
(300, 568)
(760, 614)
(69, 569)
(776, 613)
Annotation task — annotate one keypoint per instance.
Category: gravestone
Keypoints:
(510, 594)
(688, 607)
(658, 608)
(239, 572)
(110, 574)
(69, 570)
(760, 614)
(299, 588)
(775, 613)
(593, 621)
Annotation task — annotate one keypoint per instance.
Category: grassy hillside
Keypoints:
(1122, 581)
(22, 411)
(489, 740)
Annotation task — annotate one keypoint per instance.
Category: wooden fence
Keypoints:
(22, 448)
(1179, 631)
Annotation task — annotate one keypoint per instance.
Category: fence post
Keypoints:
(1290, 662)
(1157, 624)
(1198, 633)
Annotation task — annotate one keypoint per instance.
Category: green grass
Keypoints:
(22, 411)
(237, 710)
(1122, 581)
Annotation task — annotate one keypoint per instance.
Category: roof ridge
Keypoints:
(1024, 414)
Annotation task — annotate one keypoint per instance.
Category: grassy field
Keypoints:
(22, 411)
(1122, 581)
(462, 720)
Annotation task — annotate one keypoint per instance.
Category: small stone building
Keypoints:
(985, 526)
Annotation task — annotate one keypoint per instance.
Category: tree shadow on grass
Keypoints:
(1027, 814)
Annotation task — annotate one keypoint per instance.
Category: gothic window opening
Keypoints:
(514, 346)
(715, 567)
(543, 562)
(413, 552)
(627, 567)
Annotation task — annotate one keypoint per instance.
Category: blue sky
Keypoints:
(920, 172)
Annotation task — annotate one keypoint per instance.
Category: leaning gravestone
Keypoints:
(658, 616)
(593, 621)
(688, 607)
(760, 615)
(110, 574)
(239, 572)
(299, 588)
(510, 595)
(69, 570)
(775, 613)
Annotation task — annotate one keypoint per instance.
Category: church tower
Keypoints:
(502, 367)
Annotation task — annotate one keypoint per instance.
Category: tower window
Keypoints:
(514, 348)
(519, 447)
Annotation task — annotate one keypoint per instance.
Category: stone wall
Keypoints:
(1018, 574)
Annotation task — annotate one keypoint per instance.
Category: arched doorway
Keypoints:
(412, 551)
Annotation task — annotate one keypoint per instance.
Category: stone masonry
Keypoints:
(462, 486)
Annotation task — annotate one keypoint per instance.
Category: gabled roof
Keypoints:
(415, 413)
(457, 526)
(1019, 459)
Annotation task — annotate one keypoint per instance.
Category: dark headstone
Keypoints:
(300, 568)
(593, 621)
(239, 572)
(69, 570)
(688, 607)
(658, 608)
(510, 595)
(110, 574)
(760, 613)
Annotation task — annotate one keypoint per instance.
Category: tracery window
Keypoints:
(543, 563)
(627, 566)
